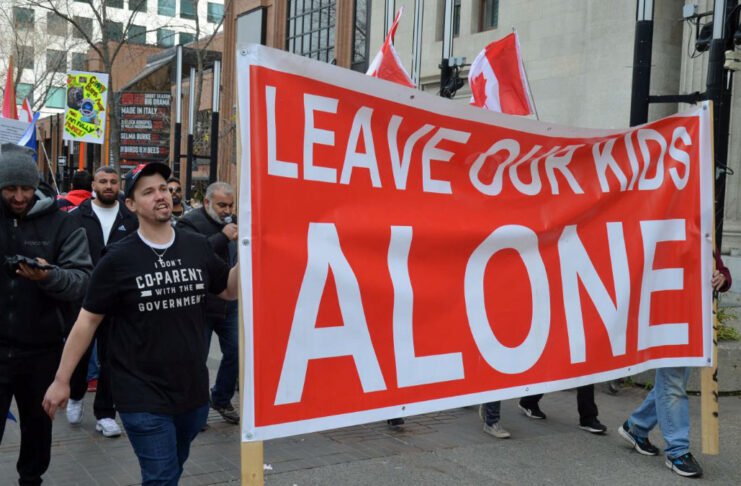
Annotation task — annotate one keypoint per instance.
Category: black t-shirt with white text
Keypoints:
(157, 341)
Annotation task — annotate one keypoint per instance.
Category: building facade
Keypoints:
(45, 45)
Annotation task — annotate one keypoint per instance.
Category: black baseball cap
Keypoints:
(142, 170)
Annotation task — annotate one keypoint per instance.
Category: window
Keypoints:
(186, 38)
(56, 61)
(311, 28)
(488, 15)
(137, 34)
(112, 3)
(113, 30)
(56, 25)
(23, 90)
(187, 10)
(23, 17)
(25, 57)
(214, 12)
(56, 97)
(165, 38)
(166, 7)
(360, 36)
(83, 24)
(79, 61)
(138, 5)
(440, 28)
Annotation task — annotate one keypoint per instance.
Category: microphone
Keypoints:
(228, 219)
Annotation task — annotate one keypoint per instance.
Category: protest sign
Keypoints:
(402, 253)
(87, 102)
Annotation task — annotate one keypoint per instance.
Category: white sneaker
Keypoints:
(108, 427)
(74, 411)
(496, 430)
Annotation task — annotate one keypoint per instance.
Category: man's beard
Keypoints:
(176, 200)
(105, 199)
(213, 215)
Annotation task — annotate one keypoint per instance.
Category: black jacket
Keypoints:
(84, 216)
(36, 314)
(198, 221)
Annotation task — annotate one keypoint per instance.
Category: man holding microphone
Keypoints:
(215, 221)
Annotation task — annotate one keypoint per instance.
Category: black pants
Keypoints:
(103, 406)
(27, 380)
(584, 402)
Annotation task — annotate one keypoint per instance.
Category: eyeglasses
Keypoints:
(174, 189)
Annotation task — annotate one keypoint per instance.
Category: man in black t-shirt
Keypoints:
(153, 283)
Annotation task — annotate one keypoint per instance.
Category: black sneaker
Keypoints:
(685, 465)
(395, 422)
(227, 412)
(593, 425)
(534, 411)
(640, 444)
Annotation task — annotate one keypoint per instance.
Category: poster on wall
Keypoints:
(145, 126)
(87, 102)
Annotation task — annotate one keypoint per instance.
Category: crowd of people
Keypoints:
(115, 282)
(130, 281)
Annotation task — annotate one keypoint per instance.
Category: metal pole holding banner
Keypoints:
(214, 163)
(445, 70)
(419, 9)
(178, 111)
(191, 123)
(642, 62)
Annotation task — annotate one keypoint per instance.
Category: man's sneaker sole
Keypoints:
(498, 433)
(625, 435)
(529, 413)
(106, 434)
(685, 474)
(593, 430)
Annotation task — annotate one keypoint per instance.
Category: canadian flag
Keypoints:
(497, 78)
(387, 65)
(26, 114)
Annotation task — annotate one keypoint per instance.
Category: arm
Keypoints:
(721, 276)
(68, 280)
(231, 292)
(79, 339)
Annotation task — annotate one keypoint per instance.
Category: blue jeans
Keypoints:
(667, 405)
(93, 369)
(161, 442)
(228, 332)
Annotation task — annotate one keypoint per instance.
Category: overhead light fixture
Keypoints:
(702, 43)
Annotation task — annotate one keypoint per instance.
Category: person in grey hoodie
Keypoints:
(46, 269)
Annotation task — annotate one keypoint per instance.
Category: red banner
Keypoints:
(402, 253)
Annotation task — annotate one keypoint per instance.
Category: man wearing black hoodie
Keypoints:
(105, 222)
(214, 221)
(36, 296)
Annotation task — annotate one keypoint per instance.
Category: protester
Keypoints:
(179, 206)
(35, 300)
(668, 406)
(490, 413)
(81, 191)
(585, 404)
(154, 284)
(105, 221)
(214, 220)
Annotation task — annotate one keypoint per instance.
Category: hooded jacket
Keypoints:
(84, 216)
(198, 221)
(73, 199)
(36, 314)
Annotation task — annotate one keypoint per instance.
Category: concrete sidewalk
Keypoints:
(446, 448)
(442, 448)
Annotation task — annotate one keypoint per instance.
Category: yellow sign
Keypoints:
(87, 101)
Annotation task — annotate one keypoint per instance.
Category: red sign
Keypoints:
(408, 254)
